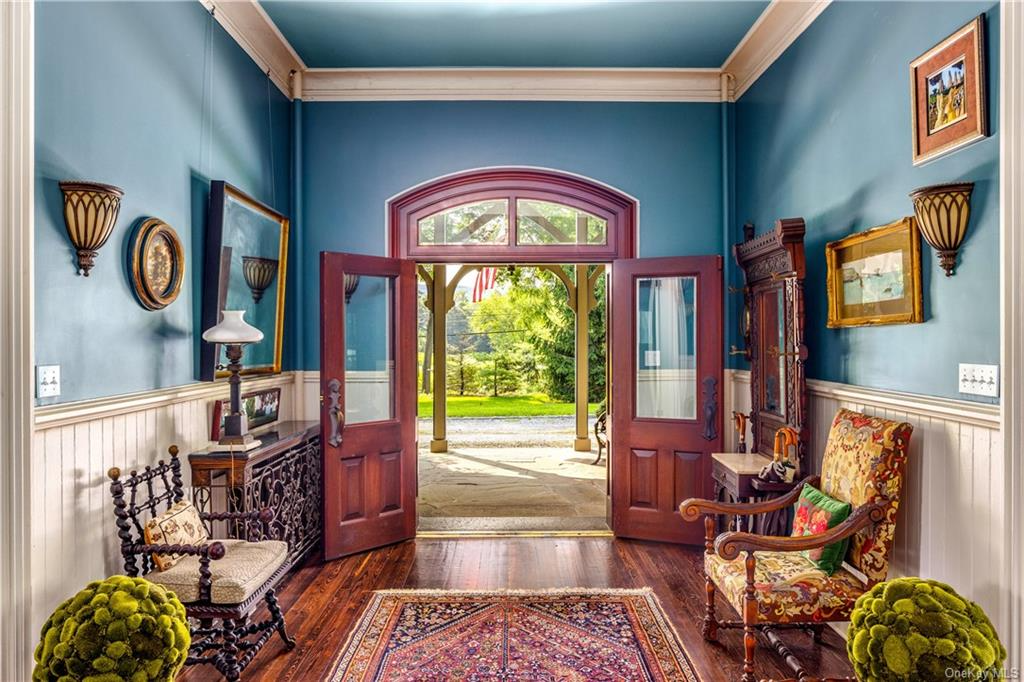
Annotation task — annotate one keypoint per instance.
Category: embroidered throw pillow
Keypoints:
(179, 525)
(815, 513)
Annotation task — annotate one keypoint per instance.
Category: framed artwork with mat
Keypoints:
(948, 95)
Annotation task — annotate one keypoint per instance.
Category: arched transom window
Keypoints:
(512, 215)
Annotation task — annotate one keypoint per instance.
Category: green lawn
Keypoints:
(532, 405)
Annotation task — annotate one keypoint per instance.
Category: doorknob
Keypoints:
(334, 412)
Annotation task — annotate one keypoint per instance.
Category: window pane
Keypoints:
(484, 222)
(543, 222)
(666, 348)
(369, 366)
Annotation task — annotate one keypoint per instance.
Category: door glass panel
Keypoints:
(482, 222)
(666, 348)
(369, 359)
(543, 222)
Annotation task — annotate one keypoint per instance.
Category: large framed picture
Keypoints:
(874, 277)
(245, 268)
(948, 95)
(260, 408)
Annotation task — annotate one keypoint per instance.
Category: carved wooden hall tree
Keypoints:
(774, 269)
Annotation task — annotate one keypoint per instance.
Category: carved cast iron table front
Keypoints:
(283, 474)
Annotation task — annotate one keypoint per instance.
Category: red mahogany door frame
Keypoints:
(617, 208)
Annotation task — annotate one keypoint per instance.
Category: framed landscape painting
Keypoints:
(874, 277)
(947, 93)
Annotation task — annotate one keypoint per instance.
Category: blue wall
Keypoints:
(825, 134)
(357, 155)
(125, 95)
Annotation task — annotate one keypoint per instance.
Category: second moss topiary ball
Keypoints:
(917, 629)
(117, 630)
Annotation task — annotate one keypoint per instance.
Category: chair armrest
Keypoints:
(729, 545)
(694, 508)
(214, 550)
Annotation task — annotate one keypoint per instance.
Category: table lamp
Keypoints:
(234, 332)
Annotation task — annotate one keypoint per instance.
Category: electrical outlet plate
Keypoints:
(979, 380)
(47, 381)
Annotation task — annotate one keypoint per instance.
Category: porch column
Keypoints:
(439, 443)
(582, 443)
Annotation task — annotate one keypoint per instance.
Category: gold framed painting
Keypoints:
(874, 277)
(947, 93)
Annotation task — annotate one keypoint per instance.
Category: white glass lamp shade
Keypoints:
(233, 330)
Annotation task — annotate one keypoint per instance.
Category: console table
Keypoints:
(282, 474)
(735, 479)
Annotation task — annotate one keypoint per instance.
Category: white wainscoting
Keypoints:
(951, 523)
(74, 445)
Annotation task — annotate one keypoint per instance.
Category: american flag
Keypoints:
(484, 282)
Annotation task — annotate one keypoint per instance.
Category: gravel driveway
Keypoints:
(506, 431)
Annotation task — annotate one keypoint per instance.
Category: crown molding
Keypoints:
(774, 31)
(255, 32)
(779, 25)
(533, 84)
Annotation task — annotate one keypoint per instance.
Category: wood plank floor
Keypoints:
(323, 600)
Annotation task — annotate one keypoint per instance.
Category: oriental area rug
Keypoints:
(577, 635)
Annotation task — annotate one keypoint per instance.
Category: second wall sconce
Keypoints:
(90, 211)
(942, 214)
(259, 273)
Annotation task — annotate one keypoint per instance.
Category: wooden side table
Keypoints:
(735, 480)
(283, 474)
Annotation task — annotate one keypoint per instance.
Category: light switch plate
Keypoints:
(47, 381)
(979, 380)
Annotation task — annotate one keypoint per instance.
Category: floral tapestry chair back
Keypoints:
(865, 462)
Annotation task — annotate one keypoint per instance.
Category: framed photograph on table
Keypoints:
(948, 94)
(260, 408)
(874, 277)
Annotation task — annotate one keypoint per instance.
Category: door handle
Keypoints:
(335, 415)
(710, 408)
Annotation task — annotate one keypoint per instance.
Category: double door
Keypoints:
(665, 319)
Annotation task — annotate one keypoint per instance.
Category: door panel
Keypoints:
(368, 369)
(643, 479)
(666, 413)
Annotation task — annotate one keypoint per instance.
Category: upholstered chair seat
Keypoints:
(787, 586)
(245, 568)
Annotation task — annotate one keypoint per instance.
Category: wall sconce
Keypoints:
(351, 284)
(259, 273)
(942, 213)
(90, 211)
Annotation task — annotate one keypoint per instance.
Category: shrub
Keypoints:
(116, 630)
(917, 629)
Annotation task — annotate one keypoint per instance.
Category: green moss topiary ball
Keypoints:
(117, 630)
(917, 629)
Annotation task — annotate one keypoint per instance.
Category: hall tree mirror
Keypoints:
(245, 265)
(773, 269)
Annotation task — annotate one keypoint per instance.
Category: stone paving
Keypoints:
(522, 470)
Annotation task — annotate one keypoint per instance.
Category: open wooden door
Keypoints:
(368, 395)
(666, 396)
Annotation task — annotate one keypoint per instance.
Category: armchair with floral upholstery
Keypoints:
(769, 581)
